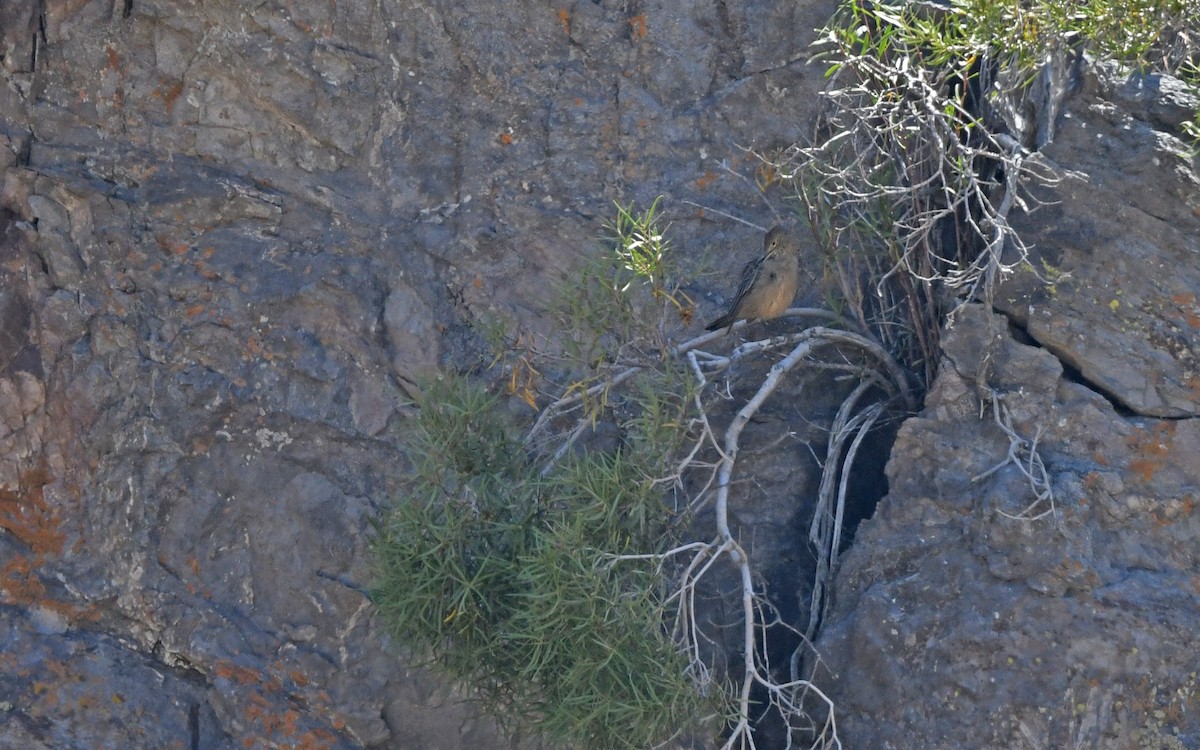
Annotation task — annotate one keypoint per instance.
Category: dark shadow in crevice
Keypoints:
(868, 480)
(1070, 373)
(790, 592)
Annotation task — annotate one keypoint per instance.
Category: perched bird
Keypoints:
(769, 282)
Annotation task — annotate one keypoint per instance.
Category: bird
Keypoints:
(769, 282)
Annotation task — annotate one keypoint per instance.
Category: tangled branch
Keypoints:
(795, 350)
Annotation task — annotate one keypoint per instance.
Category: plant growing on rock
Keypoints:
(496, 574)
(497, 564)
(554, 573)
(929, 138)
(553, 568)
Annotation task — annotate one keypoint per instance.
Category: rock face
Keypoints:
(1118, 242)
(231, 235)
(960, 620)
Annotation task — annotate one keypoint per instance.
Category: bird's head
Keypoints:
(779, 240)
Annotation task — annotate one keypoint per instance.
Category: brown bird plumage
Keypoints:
(769, 282)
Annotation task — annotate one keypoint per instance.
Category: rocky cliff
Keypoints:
(231, 234)
(1030, 581)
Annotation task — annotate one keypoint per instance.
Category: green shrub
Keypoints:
(927, 143)
(503, 575)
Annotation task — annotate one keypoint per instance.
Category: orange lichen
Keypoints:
(19, 582)
(564, 18)
(171, 95)
(27, 515)
(205, 270)
(168, 245)
(114, 62)
(30, 517)
(1144, 468)
(237, 673)
(637, 26)
(1150, 449)
(1173, 511)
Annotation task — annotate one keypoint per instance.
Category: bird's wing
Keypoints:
(749, 276)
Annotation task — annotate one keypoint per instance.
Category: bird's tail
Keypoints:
(725, 320)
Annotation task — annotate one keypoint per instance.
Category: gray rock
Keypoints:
(238, 232)
(412, 332)
(1119, 240)
(230, 234)
(85, 688)
(958, 623)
